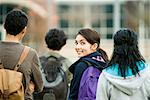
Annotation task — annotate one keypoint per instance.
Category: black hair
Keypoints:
(126, 52)
(55, 39)
(16, 20)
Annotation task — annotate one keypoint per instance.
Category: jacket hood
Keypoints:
(131, 83)
(94, 58)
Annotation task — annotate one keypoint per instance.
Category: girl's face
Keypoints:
(83, 47)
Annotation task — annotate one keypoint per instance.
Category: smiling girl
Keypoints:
(87, 44)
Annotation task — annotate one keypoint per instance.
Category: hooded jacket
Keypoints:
(111, 86)
(79, 67)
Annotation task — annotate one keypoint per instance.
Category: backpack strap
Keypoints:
(51, 57)
(1, 64)
(22, 57)
(57, 58)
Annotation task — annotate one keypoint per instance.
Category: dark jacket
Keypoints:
(79, 67)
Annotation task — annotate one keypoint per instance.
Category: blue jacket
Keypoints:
(79, 67)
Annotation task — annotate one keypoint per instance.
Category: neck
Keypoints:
(53, 50)
(11, 38)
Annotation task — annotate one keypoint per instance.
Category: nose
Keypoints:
(77, 46)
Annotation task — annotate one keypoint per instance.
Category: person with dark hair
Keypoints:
(87, 43)
(55, 39)
(127, 75)
(11, 48)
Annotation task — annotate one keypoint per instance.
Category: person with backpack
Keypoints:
(56, 75)
(11, 50)
(127, 75)
(87, 68)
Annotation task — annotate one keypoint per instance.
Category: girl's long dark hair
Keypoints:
(104, 54)
(126, 52)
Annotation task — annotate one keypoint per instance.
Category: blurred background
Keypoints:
(104, 16)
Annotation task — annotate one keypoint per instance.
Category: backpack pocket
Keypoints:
(88, 84)
(11, 85)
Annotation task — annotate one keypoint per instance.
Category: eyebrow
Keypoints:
(82, 40)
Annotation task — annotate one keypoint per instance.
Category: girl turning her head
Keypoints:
(127, 75)
(87, 43)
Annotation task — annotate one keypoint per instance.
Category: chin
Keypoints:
(80, 55)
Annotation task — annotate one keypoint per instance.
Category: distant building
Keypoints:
(105, 16)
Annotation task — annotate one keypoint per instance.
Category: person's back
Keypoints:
(127, 75)
(89, 80)
(131, 88)
(11, 48)
(55, 39)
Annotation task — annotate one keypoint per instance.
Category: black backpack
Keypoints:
(55, 80)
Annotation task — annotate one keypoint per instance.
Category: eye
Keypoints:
(82, 43)
(76, 42)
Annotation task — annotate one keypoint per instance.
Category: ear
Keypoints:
(22, 33)
(24, 30)
(94, 46)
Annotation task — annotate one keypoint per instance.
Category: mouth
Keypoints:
(79, 52)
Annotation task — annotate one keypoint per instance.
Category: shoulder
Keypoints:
(78, 66)
(113, 69)
(103, 81)
(66, 62)
(33, 50)
(33, 54)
